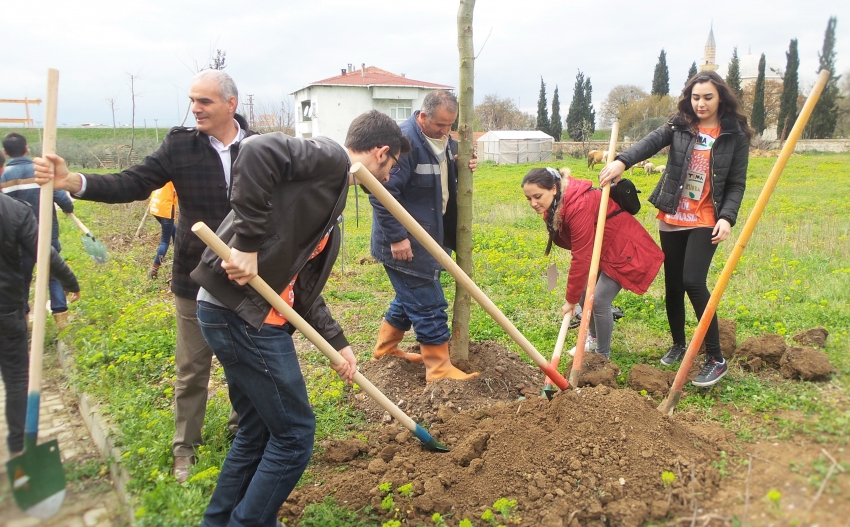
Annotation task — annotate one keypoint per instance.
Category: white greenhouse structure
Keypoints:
(509, 147)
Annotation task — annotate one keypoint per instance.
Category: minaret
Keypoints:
(710, 53)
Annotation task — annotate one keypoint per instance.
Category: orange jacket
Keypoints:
(164, 202)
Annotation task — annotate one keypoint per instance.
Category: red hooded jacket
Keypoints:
(629, 255)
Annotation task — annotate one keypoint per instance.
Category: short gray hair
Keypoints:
(226, 86)
(436, 99)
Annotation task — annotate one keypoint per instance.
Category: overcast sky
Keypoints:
(275, 47)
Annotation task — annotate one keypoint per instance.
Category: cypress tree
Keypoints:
(542, 110)
(788, 102)
(733, 76)
(825, 114)
(757, 118)
(575, 115)
(589, 114)
(661, 78)
(556, 125)
(691, 72)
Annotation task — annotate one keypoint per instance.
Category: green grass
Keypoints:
(794, 276)
(105, 133)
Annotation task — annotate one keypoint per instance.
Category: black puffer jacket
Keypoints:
(729, 160)
(19, 233)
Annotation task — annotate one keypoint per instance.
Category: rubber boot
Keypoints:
(438, 365)
(388, 339)
(61, 320)
(154, 270)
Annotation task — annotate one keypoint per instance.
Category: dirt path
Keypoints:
(90, 500)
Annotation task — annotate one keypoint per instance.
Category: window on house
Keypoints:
(400, 111)
(306, 111)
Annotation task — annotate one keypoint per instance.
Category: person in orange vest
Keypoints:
(163, 207)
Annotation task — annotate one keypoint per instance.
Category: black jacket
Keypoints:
(187, 159)
(19, 234)
(287, 193)
(729, 160)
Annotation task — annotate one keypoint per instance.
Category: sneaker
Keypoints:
(674, 354)
(589, 345)
(711, 372)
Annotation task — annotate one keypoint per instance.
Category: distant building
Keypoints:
(328, 106)
(749, 67)
(710, 53)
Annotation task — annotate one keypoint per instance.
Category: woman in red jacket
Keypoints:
(630, 258)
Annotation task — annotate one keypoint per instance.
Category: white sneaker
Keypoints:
(589, 345)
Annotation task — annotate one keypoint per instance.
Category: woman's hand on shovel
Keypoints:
(568, 309)
(347, 369)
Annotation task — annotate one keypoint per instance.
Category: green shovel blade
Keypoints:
(38, 480)
(94, 248)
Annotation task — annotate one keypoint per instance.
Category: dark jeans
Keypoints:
(58, 303)
(14, 366)
(167, 236)
(420, 302)
(276, 423)
(687, 258)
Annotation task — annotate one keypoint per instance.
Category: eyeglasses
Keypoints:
(395, 168)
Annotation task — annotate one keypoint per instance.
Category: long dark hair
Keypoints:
(728, 102)
(547, 178)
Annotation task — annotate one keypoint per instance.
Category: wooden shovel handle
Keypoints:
(590, 291)
(223, 251)
(394, 207)
(42, 265)
(80, 224)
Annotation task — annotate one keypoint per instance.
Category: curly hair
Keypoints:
(728, 102)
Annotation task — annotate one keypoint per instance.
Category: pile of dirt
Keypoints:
(504, 377)
(588, 457)
(655, 381)
(795, 362)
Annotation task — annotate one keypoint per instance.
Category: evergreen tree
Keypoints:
(788, 102)
(576, 113)
(733, 76)
(757, 118)
(825, 114)
(542, 110)
(691, 72)
(661, 78)
(589, 119)
(556, 125)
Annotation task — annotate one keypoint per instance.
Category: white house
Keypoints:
(508, 147)
(328, 106)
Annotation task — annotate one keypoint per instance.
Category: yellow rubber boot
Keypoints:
(61, 320)
(438, 365)
(388, 339)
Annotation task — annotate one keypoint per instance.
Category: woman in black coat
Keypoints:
(698, 197)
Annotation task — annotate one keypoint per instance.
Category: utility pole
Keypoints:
(156, 129)
(250, 111)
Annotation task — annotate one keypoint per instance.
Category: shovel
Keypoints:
(366, 178)
(36, 476)
(548, 387)
(669, 404)
(587, 306)
(93, 247)
(223, 251)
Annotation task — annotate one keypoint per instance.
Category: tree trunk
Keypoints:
(466, 103)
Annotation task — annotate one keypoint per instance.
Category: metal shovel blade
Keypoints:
(94, 248)
(37, 479)
(428, 440)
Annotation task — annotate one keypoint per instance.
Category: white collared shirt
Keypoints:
(224, 150)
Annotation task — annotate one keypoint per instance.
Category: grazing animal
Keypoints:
(594, 157)
(660, 168)
(639, 164)
(648, 167)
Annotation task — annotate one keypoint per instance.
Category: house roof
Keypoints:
(372, 76)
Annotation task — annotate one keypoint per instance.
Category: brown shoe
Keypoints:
(388, 340)
(61, 320)
(182, 465)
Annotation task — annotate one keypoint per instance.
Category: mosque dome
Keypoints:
(749, 66)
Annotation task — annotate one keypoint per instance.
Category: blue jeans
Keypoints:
(58, 303)
(165, 239)
(276, 422)
(419, 302)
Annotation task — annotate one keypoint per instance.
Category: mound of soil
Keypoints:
(596, 370)
(656, 381)
(815, 337)
(504, 377)
(584, 457)
(767, 348)
(805, 363)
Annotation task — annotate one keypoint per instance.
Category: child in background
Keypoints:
(163, 207)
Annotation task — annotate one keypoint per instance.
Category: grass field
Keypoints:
(795, 275)
(33, 135)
